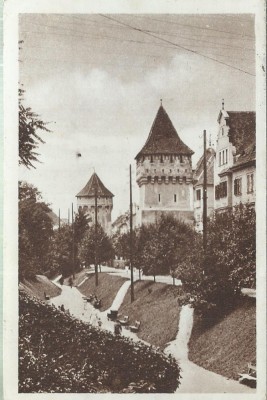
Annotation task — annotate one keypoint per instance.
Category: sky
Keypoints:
(98, 80)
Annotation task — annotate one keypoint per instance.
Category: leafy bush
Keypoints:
(58, 353)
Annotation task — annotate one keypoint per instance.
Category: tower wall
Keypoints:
(165, 183)
(104, 209)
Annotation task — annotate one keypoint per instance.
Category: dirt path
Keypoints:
(194, 378)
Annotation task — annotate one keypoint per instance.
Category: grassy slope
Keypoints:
(107, 288)
(228, 346)
(79, 277)
(40, 285)
(156, 306)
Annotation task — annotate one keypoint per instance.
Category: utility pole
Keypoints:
(131, 237)
(73, 242)
(96, 270)
(204, 196)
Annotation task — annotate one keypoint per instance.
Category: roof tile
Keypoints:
(94, 186)
(163, 138)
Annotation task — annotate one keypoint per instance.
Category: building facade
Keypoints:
(164, 173)
(86, 202)
(235, 165)
(199, 188)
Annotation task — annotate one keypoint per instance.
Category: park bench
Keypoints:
(135, 327)
(124, 321)
(250, 378)
(112, 315)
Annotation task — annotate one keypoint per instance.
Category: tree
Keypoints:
(35, 231)
(87, 247)
(230, 264)
(61, 251)
(29, 140)
(80, 226)
(169, 240)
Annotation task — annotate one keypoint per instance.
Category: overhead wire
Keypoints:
(198, 27)
(177, 45)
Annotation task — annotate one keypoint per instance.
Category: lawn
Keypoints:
(157, 308)
(108, 286)
(39, 286)
(78, 277)
(227, 347)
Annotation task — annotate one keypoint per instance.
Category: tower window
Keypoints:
(175, 198)
(181, 159)
(151, 158)
(198, 194)
(161, 159)
(159, 198)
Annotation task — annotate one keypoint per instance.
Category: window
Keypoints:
(185, 170)
(221, 190)
(250, 183)
(238, 186)
(159, 198)
(163, 171)
(146, 170)
(198, 194)
(175, 198)
(151, 158)
(223, 157)
(181, 159)
(161, 159)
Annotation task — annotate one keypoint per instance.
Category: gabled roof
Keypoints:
(163, 138)
(242, 132)
(199, 171)
(94, 186)
(247, 156)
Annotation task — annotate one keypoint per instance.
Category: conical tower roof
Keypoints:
(94, 186)
(163, 138)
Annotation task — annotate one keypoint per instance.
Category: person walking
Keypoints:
(117, 328)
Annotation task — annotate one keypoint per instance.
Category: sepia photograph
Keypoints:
(134, 199)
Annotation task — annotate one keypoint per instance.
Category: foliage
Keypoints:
(93, 244)
(61, 251)
(230, 264)
(80, 226)
(29, 140)
(35, 231)
(59, 354)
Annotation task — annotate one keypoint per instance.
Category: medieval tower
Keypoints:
(86, 200)
(164, 173)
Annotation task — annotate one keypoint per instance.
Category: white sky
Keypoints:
(100, 84)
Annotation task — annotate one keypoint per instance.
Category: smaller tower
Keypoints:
(86, 202)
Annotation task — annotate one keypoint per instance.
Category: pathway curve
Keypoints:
(196, 379)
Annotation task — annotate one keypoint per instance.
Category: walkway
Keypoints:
(194, 378)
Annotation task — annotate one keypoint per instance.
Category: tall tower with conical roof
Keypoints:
(164, 173)
(86, 202)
